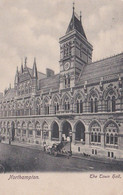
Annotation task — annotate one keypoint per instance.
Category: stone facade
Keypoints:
(85, 98)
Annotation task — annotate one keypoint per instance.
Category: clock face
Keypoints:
(67, 65)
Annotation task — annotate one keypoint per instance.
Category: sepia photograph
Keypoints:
(61, 92)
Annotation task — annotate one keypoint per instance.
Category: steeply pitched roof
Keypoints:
(107, 68)
(76, 24)
(49, 83)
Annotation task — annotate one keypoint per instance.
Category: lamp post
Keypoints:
(70, 135)
(44, 143)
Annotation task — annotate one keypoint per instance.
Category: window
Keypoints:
(66, 104)
(113, 104)
(99, 137)
(107, 138)
(108, 154)
(111, 139)
(92, 139)
(67, 81)
(96, 105)
(95, 133)
(92, 151)
(91, 105)
(112, 154)
(78, 149)
(111, 134)
(96, 152)
(79, 105)
(116, 139)
(111, 100)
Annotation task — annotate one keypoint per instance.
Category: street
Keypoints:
(20, 159)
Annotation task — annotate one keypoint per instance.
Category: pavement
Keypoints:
(74, 155)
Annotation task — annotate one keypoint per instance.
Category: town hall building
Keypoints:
(84, 99)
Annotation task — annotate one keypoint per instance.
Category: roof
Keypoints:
(76, 24)
(11, 93)
(40, 74)
(49, 83)
(103, 68)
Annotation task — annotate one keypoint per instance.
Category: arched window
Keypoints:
(111, 134)
(67, 81)
(46, 106)
(93, 101)
(107, 138)
(96, 105)
(116, 139)
(111, 139)
(95, 137)
(92, 138)
(95, 133)
(66, 103)
(79, 104)
(113, 104)
(111, 100)
(38, 129)
(99, 137)
(108, 104)
(92, 105)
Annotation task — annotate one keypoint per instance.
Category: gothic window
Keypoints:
(56, 105)
(92, 105)
(113, 104)
(30, 129)
(67, 49)
(107, 138)
(111, 134)
(67, 81)
(46, 106)
(111, 101)
(38, 129)
(95, 133)
(23, 129)
(66, 104)
(93, 102)
(79, 104)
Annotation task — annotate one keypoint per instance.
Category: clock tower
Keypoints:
(75, 53)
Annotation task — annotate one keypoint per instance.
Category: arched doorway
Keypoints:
(55, 131)
(80, 132)
(66, 128)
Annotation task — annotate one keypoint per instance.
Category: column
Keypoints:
(87, 138)
(73, 137)
(60, 136)
(50, 135)
(103, 140)
(34, 134)
(27, 133)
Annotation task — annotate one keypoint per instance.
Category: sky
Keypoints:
(32, 28)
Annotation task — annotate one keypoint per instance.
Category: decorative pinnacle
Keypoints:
(73, 7)
(25, 61)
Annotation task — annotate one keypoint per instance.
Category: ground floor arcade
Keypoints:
(90, 136)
